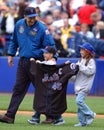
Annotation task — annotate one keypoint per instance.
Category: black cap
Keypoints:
(49, 49)
(30, 12)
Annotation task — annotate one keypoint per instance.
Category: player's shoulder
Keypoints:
(21, 21)
(92, 60)
(41, 24)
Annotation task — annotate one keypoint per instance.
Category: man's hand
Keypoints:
(10, 61)
(32, 59)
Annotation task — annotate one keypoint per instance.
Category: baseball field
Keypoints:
(25, 112)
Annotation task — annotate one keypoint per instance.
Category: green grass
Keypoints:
(96, 104)
(21, 124)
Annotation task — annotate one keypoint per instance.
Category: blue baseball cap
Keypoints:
(30, 12)
(49, 49)
(88, 47)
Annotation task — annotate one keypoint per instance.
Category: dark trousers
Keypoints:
(23, 80)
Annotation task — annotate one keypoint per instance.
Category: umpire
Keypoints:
(29, 37)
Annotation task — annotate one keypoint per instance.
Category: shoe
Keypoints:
(79, 124)
(89, 121)
(34, 121)
(6, 119)
(59, 121)
(48, 121)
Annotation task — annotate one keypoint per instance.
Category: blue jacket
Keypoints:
(30, 40)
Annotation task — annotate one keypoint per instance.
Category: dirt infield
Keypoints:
(65, 114)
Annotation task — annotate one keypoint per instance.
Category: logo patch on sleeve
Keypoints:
(73, 66)
(21, 29)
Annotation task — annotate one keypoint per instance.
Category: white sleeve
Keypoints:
(88, 70)
(72, 79)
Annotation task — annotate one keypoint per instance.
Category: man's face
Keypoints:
(30, 21)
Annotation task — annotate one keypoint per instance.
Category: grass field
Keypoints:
(21, 124)
(96, 104)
